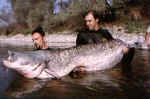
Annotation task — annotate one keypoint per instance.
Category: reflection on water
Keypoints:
(110, 84)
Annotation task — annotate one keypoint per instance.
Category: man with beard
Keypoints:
(38, 37)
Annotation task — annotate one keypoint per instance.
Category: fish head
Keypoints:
(24, 63)
(15, 60)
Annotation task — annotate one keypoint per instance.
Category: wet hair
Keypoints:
(96, 14)
(93, 12)
(39, 30)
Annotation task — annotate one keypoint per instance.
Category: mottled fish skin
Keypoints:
(58, 63)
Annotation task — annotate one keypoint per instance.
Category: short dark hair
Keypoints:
(94, 13)
(39, 30)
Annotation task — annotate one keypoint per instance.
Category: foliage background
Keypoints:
(132, 14)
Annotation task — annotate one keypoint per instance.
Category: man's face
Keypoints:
(38, 40)
(91, 22)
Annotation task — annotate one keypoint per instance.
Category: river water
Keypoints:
(117, 83)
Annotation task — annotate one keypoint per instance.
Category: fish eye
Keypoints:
(12, 57)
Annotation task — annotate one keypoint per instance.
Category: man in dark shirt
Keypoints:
(92, 36)
(95, 34)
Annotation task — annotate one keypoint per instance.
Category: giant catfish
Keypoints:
(58, 63)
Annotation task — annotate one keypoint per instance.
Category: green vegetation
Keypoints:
(29, 14)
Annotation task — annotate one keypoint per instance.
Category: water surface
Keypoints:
(116, 83)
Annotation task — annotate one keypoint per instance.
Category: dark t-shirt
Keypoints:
(88, 37)
(43, 49)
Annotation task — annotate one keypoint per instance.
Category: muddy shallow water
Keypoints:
(131, 81)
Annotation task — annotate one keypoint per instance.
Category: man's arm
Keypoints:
(107, 35)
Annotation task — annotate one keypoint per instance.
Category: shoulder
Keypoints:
(103, 30)
(106, 33)
(50, 49)
(82, 32)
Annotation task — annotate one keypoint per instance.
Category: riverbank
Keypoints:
(69, 37)
(26, 40)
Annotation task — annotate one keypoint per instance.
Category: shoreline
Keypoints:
(69, 37)
(52, 40)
